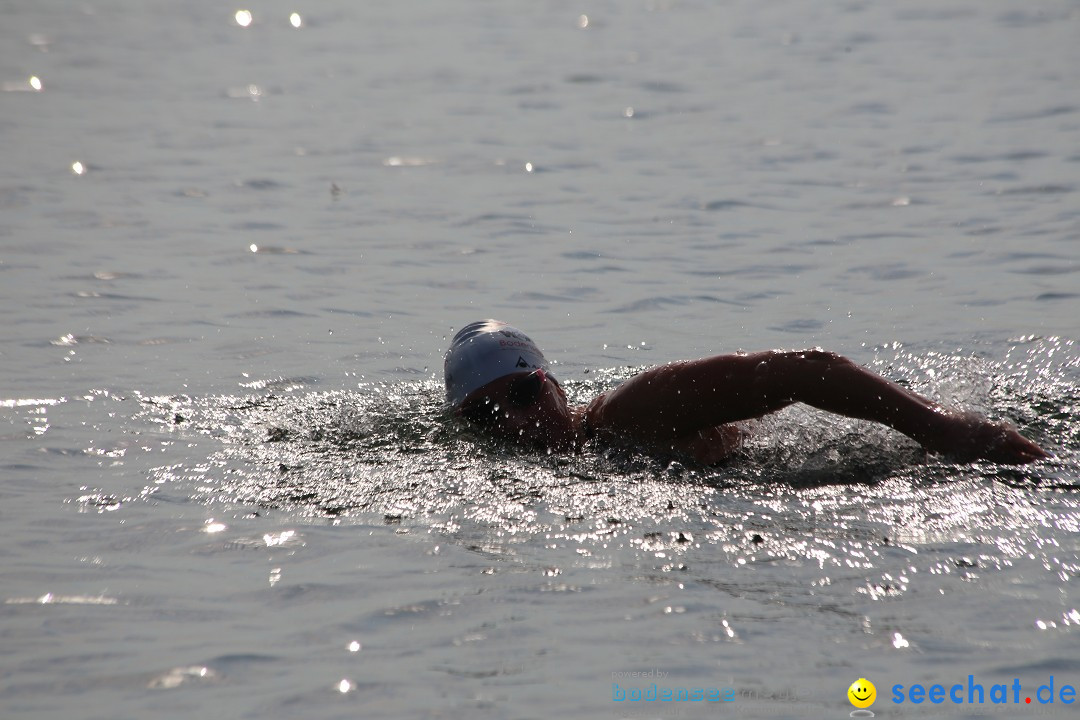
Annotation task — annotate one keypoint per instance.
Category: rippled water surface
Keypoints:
(234, 245)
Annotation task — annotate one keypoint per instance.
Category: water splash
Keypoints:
(392, 449)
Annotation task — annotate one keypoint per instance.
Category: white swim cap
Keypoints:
(484, 351)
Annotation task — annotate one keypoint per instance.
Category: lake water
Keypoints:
(233, 249)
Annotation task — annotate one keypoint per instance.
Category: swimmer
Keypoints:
(500, 383)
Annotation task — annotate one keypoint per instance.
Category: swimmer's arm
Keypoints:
(680, 399)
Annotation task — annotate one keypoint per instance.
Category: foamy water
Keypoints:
(234, 247)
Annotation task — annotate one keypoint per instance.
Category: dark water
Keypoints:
(231, 258)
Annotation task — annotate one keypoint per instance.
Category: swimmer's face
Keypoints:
(527, 407)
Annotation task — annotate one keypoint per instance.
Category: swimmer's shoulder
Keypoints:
(592, 417)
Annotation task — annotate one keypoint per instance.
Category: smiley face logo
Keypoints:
(862, 693)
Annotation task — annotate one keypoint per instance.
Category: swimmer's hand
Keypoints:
(973, 437)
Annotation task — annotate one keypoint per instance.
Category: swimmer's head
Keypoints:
(485, 351)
